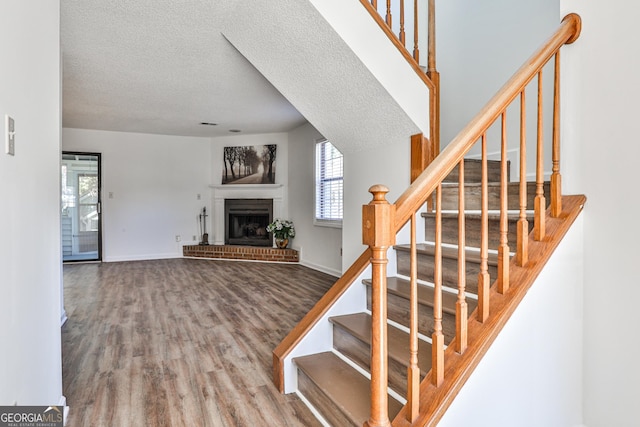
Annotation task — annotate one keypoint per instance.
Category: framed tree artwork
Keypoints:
(251, 164)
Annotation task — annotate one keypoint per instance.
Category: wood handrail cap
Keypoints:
(379, 191)
(578, 23)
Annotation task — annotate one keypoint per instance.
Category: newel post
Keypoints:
(377, 233)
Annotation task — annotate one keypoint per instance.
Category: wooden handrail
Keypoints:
(396, 41)
(431, 78)
(448, 367)
(417, 193)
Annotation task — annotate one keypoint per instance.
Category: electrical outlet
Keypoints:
(178, 238)
(195, 237)
(198, 196)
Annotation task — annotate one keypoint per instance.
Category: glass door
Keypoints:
(80, 219)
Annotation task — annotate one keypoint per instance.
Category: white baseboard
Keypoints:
(321, 268)
(142, 257)
(63, 403)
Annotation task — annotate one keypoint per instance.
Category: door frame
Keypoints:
(99, 159)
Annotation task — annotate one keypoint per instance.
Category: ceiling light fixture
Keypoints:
(208, 124)
(235, 130)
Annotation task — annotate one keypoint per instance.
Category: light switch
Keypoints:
(10, 135)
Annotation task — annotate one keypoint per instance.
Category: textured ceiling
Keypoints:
(302, 55)
(161, 66)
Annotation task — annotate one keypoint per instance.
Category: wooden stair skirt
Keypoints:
(336, 383)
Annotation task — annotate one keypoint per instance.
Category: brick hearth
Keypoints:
(249, 253)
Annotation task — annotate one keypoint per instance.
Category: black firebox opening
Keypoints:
(246, 221)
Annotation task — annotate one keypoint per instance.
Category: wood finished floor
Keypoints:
(181, 342)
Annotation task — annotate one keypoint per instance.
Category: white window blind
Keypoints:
(329, 188)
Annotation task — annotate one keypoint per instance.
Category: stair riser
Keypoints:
(449, 270)
(398, 310)
(473, 171)
(360, 353)
(473, 196)
(472, 231)
(322, 402)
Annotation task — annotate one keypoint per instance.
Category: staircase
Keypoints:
(400, 348)
(337, 383)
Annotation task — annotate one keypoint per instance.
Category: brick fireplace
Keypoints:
(221, 193)
(246, 225)
(246, 253)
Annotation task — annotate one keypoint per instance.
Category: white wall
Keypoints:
(155, 181)
(600, 157)
(480, 46)
(30, 355)
(320, 246)
(532, 374)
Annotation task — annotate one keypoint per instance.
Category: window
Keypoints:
(329, 194)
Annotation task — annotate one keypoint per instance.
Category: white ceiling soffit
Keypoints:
(303, 56)
(161, 66)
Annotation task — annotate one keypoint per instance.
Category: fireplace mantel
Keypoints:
(242, 191)
(244, 187)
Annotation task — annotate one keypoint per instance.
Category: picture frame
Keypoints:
(249, 164)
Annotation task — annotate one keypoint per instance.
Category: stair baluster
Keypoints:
(388, 17)
(379, 235)
(416, 49)
(503, 249)
(461, 304)
(434, 76)
(413, 372)
(402, 35)
(556, 179)
(431, 59)
(522, 239)
(539, 203)
(484, 280)
(437, 338)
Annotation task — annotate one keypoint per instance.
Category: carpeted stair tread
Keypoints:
(402, 288)
(473, 171)
(341, 384)
(359, 325)
(492, 215)
(449, 252)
